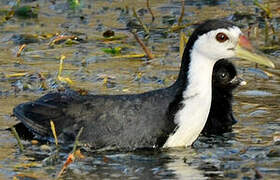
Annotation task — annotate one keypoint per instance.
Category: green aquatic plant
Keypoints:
(74, 4)
(112, 50)
(266, 13)
(265, 8)
(27, 11)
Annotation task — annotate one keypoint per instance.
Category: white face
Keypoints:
(218, 44)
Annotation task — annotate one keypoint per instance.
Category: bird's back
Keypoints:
(115, 121)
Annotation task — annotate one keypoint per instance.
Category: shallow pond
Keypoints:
(251, 151)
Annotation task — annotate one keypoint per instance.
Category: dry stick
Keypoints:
(71, 156)
(140, 21)
(146, 50)
(69, 160)
(11, 13)
(20, 49)
(178, 28)
(77, 140)
(18, 139)
(61, 38)
(150, 10)
(54, 156)
(182, 42)
(54, 134)
(182, 13)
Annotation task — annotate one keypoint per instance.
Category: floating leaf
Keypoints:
(27, 12)
(113, 51)
(74, 4)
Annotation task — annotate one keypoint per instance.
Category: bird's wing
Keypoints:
(37, 115)
(121, 120)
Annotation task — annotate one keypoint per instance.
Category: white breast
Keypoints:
(192, 117)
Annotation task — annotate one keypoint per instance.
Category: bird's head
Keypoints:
(225, 76)
(219, 39)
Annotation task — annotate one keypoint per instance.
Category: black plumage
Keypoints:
(111, 121)
(224, 81)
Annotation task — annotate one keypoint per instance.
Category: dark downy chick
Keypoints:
(224, 81)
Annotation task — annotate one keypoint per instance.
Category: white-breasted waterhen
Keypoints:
(167, 117)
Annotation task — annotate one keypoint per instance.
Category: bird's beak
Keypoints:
(244, 50)
(238, 81)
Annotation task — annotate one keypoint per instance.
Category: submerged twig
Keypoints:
(267, 15)
(18, 139)
(62, 57)
(77, 140)
(146, 50)
(130, 56)
(59, 77)
(183, 41)
(54, 156)
(71, 156)
(265, 8)
(21, 49)
(61, 38)
(54, 133)
(182, 13)
(178, 28)
(15, 75)
(69, 160)
(150, 10)
(10, 13)
(140, 21)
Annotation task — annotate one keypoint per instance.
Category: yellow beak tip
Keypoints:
(250, 56)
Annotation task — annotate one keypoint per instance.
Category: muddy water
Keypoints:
(249, 152)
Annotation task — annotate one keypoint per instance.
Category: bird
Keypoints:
(163, 118)
(220, 118)
(224, 80)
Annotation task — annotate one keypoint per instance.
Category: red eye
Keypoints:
(221, 37)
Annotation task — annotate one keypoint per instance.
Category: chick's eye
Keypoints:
(223, 75)
(221, 37)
